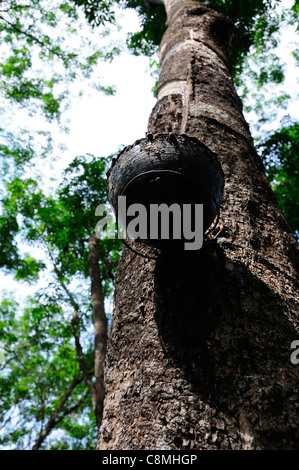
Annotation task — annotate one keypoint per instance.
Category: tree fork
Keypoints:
(199, 349)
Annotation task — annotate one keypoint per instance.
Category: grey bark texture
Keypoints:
(200, 343)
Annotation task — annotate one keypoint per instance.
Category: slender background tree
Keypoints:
(54, 342)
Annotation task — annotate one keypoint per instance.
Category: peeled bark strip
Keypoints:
(200, 344)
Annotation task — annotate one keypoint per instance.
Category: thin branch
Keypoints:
(56, 417)
(65, 288)
(31, 36)
(76, 333)
(16, 8)
(11, 411)
(75, 406)
(14, 354)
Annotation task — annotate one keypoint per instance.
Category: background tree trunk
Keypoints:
(200, 343)
(100, 325)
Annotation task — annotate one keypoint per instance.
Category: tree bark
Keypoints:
(200, 343)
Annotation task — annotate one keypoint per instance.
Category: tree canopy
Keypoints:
(47, 366)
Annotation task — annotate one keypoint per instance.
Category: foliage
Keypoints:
(41, 360)
(29, 32)
(254, 20)
(263, 91)
(153, 23)
(46, 52)
(63, 222)
(40, 365)
(97, 12)
(280, 153)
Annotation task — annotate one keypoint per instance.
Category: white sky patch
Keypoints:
(99, 123)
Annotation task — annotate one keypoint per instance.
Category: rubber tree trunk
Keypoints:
(199, 354)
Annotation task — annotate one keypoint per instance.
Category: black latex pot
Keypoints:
(166, 169)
